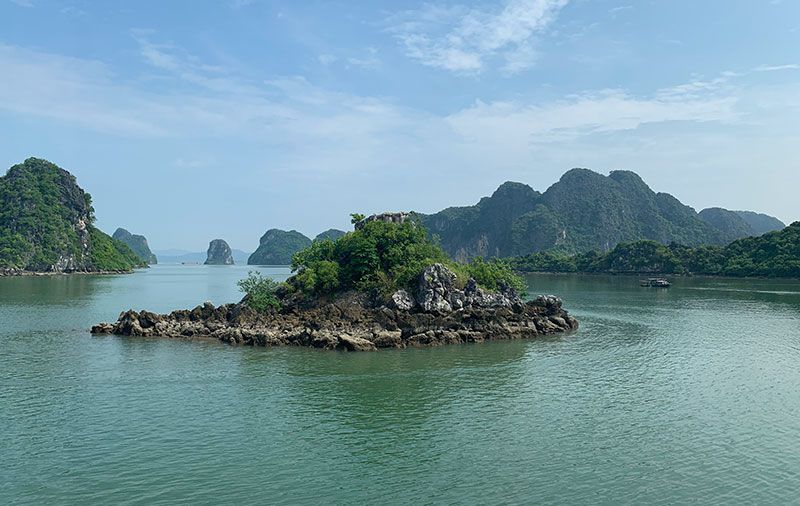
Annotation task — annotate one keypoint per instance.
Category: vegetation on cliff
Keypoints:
(583, 211)
(46, 224)
(775, 254)
(276, 247)
(137, 243)
(331, 233)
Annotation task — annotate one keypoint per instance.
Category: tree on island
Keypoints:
(380, 257)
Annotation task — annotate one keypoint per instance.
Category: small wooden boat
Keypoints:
(654, 283)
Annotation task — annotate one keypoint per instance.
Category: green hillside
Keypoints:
(46, 224)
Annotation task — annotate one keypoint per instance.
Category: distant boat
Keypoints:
(654, 283)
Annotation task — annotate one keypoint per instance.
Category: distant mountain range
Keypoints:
(584, 211)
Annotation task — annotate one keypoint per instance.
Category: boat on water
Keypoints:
(654, 283)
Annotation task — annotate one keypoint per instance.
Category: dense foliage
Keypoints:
(331, 233)
(137, 243)
(775, 254)
(46, 223)
(276, 247)
(761, 224)
(584, 211)
(384, 257)
(260, 292)
(728, 224)
(108, 254)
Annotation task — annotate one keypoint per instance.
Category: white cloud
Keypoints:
(327, 59)
(290, 128)
(773, 68)
(368, 60)
(23, 3)
(470, 40)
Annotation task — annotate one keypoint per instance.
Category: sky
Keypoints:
(189, 121)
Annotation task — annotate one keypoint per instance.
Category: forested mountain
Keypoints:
(583, 211)
(775, 254)
(761, 223)
(276, 247)
(137, 243)
(46, 224)
(331, 233)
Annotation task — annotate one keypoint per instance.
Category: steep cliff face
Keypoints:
(137, 243)
(219, 253)
(485, 229)
(46, 224)
(276, 247)
(583, 211)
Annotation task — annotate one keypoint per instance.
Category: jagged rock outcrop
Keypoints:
(388, 217)
(276, 247)
(219, 253)
(137, 243)
(438, 313)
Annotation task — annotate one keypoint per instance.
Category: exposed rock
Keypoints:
(356, 322)
(401, 300)
(390, 217)
(434, 288)
(219, 253)
(355, 343)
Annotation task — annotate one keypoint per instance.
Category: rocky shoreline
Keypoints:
(436, 313)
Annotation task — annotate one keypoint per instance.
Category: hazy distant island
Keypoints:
(385, 284)
(219, 253)
(47, 226)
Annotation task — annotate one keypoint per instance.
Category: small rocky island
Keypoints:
(384, 285)
(219, 253)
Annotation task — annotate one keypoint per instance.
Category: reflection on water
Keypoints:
(663, 396)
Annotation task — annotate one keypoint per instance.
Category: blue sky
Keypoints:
(190, 120)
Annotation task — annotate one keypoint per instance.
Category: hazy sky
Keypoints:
(192, 120)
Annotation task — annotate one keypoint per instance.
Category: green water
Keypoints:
(663, 396)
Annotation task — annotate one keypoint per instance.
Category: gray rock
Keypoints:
(219, 253)
(435, 288)
(401, 300)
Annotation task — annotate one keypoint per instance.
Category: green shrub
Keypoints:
(260, 291)
(493, 273)
(384, 257)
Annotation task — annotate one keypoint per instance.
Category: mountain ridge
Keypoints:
(583, 211)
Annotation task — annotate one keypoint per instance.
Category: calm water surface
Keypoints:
(663, 396)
